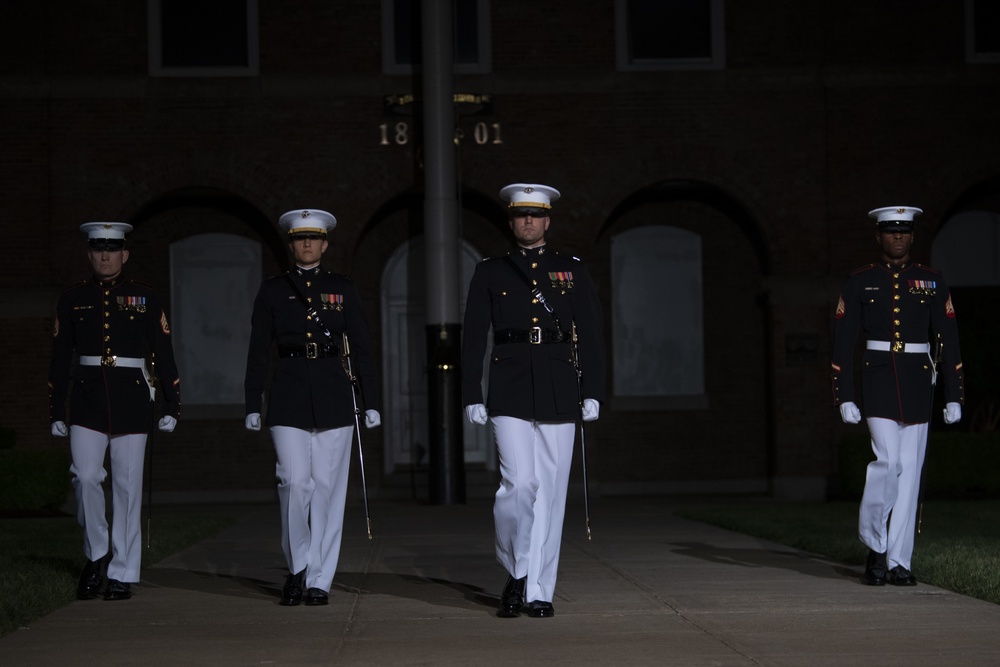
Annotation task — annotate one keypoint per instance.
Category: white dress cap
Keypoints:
(528, 195)
(106, 235)
(890, 214)
(307, 221)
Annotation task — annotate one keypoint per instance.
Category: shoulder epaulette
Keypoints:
(76, 286)
(863, 268)
(926, 268)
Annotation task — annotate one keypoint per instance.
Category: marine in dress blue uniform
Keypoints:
(114, 325)
(310, 407)
(533, 399)
(895, 303)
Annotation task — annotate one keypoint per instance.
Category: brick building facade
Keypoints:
(770, 154)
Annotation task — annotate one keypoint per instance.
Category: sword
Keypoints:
(151, 381)
(583, 441)
(357, 427)
(935, 362)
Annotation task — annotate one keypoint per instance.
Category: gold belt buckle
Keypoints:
(898, 346)
(111, 361)
(535, 335)
(311, 351)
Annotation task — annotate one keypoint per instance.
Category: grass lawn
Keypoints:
(41, 558)
(958, 547)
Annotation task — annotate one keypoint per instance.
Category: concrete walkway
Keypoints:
(650, 589)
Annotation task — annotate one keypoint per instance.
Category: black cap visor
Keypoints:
(890, 226)
(107, 244)
(524, 211)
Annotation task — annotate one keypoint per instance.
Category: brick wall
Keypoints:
(820, 114)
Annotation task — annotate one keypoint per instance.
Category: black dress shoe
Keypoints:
(512, 598)
(540, 609)
(317, 596)
(900, 576)
(291, 593)
(117, 590)
(876, 568)
(91, 578)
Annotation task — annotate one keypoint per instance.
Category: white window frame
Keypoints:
(484, 64)
(716, 61)
(156, 67)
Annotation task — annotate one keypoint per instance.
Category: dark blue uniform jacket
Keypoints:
(120, 318)
(532, 381)
(909, 303)
(309, 393)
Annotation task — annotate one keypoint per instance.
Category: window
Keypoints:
(197, 38)
(982, 31)
(680, 34)
(657, 337)
(402, 43)
(214, 278)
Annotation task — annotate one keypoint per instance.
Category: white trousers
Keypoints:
(127, 452)
(312, 472)
(530, 504)
(891, 487)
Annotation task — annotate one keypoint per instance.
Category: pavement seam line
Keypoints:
(657, 598)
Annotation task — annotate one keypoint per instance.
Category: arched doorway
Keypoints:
(404, 360)
(220, 246)
(966, 251)
(688, 304)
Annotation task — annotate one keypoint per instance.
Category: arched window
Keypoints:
(967, 250)
(656, 330)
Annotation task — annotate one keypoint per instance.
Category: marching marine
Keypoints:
(894, 303)
(305, 314)
(115, 325)
(535, 300)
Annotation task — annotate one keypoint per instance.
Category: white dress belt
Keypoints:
(125, 362)
(121, 362)
(886, 346)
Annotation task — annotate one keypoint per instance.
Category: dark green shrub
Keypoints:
(33, 480)
(8, 437)
(960, 465)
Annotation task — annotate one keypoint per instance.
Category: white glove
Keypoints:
(167, 423)
(849, 413)
(952, 413)
(591, 409)
(476, 414)
(372, 418)
(253, 421)
(59, 429)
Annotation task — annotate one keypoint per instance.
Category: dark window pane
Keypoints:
(677, 29)
(406, 26)
(466, 32)
(196, 33)
(406, 21)
(987, 26)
